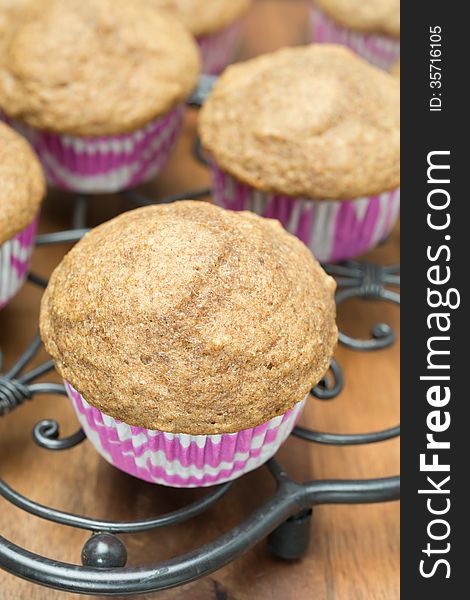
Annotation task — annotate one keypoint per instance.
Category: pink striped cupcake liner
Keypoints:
(333, 230)
(218, 49)
(181, 460)
(15, 256)
(104, 164)
(379, 50)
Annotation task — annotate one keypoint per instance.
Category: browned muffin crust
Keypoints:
(7, 5)
(188, 318)
(202, 17)
(372, 16)
(95, 67)
(22, 186)
(7, 9)
(316, 122)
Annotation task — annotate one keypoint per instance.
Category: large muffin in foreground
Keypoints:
(215, 24)
(197, 328)
(369, 27)
(98, 86)
(310, 136)
(22, 189)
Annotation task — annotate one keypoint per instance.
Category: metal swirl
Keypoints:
(382, 335)
(367, 281)
(289, 498)
(330, 386)
(46, 434)
(347, 439)
(180, 515)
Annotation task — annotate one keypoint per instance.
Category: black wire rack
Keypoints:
(284, 519)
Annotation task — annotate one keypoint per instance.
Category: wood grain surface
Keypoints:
(354, 552)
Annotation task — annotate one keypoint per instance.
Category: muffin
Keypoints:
(189, 338)
(309, 136)
(369, 27)
(215, 25)
(98, 88)
(21, 192)
(9, 6)
(8, 9)
(395, 70)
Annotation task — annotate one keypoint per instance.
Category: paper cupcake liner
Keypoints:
(333, 230)
(379, 50)
(218, 49)
(15, 256)
(181, 460)
(104, 164)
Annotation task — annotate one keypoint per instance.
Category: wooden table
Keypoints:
(354, 551)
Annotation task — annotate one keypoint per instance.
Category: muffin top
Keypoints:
(94, 67)
(375, 16)
(188, 318)
(12, 4)
(315, 121)
(7, 8)
(22, 184)
(202, 17)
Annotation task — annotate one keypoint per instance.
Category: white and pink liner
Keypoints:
(182, 460)
(380, 50)
(15, 256)
(104, 164)
(218, 49)
(333, 230)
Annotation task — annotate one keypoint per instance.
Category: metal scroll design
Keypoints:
(367, 281)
